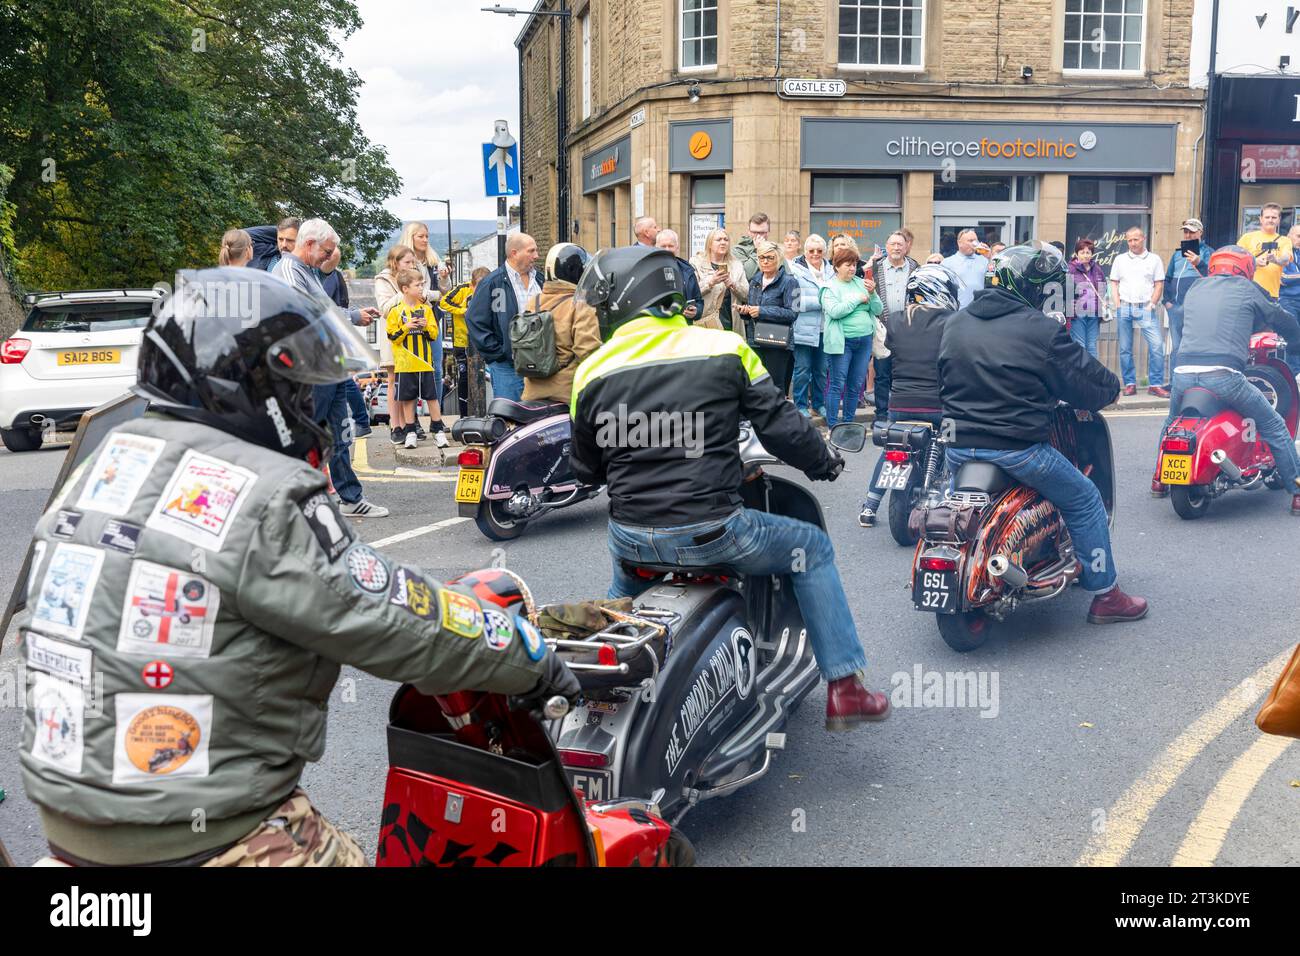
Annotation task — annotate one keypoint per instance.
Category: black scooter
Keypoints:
(515, 466)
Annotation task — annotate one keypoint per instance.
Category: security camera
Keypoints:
(1026, 72)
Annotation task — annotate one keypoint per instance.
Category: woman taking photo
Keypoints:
(851, 307)
(773, 302)
(1089, 283)
(722, 283)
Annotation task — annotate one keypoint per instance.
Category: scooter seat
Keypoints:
(1197, 402)
(983, 476)
(525, 412)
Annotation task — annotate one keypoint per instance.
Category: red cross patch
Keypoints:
(157, 674)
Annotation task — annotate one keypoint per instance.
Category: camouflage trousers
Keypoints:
(294, 835)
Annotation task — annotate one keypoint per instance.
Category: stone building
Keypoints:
(1054, 119)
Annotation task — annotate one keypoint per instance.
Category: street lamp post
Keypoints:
(448, 203)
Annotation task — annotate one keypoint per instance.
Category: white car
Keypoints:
(75, 351)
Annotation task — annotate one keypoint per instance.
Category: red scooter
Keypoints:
(1210, 448)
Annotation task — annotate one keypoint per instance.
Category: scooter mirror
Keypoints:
(849, 436)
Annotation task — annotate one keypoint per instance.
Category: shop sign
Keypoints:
(1269, 162)
(814, 88)
(699, 146)
(607, 166)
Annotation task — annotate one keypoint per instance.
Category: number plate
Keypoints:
(935, 591)
(469, 485)
(894, 475)
(1176, 469)
(91, 357)
(591, 784)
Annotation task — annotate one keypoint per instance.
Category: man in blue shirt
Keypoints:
(968, 265)
(1184, 269)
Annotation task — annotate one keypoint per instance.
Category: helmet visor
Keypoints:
(329, 349)
(593, 287)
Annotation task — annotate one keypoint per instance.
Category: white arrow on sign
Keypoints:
(500, 157)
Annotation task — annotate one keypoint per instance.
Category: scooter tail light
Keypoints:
(938, 564)
(470, 458)
(1178, 445)
(13, 351)
(583, 758)
(897, 455)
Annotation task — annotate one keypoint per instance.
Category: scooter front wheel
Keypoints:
(1190, 501)
(966, 630)
(677, 850)
(900, 509)
(495, 524)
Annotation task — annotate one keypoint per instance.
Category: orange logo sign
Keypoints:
(701, 145)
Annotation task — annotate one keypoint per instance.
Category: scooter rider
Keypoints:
(933, 293)
(220, 591)
(1220, 314)
(674, 491)
(1003, 366)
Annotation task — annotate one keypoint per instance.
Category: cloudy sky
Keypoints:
(436, 74)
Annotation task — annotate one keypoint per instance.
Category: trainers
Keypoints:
(1115, 606)
(411, 440)
(397, 435)
(440, 439)
(867, 518)
(420, 433)
(1158, 490)
(848, 704)
(364, 509)
(1158, 391)
(1130, 389)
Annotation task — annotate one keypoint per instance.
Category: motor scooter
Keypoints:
(1209, 449)
(913, 473)
(515, 466)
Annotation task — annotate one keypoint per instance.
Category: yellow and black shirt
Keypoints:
(412, 351)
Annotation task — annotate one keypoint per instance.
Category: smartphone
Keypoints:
(1268, 247)
(1191, 245)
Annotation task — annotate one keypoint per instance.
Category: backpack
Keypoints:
(532, 341)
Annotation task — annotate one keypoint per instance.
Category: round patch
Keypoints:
(193, 590)
(161, 740)
(533, 642)
(157, 674)
(742, 650)
(142, 628)
(496, 629)
(367, 569)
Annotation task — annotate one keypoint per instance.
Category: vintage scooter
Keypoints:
(991, 544)
(515, 466)
(685, 699)
(1211, 449)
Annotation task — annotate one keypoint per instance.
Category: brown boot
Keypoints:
(1115, 606)
(1158, 490)
(1295, 504)
(848, 704)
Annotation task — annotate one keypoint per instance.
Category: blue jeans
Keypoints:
(357, 406)
(1084, 329)
(755, 543)
(1051, 474)
(848, 372)
(1146, 318)
(506, 382)
(1176, 335)
(1292, 306)
(810, 377)
(331, 403)
(1246, 399)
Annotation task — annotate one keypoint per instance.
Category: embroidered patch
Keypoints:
(161, 737)
(157, 674)
(497, 631)
(327, 524)
(167, 609)
(120, 536)
(460, 614)
(59, 713)
(532, 639)
(201, 500)
(119, 472)
(65, 524)
(367, 569)
(59, 659)
(63, 601)
(412, 592)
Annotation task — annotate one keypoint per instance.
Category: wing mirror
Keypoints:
(849, 436)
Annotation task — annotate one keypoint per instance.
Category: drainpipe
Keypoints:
(1211, 115)
(777, 71)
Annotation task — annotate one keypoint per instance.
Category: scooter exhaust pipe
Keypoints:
(1226, 464)
(1007, 571)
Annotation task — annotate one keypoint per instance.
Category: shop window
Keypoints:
(972, 188)
(1103, 209)
(882, 34)
(1104, 36)
(708, 201)
(868, 208)
(699, 23)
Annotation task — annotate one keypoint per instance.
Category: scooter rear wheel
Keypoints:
(495, 524)
(966, 630)
(1190, 501)
(678, 850)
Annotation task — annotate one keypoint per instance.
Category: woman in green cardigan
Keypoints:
(851, 308)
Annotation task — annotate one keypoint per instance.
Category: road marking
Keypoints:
(1125, 820)
(1205, 837)
(416, 532)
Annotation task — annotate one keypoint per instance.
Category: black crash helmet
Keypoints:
(934, 286)
(565, 262)
(630, 281)
(1033, 272)
(239, 350)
